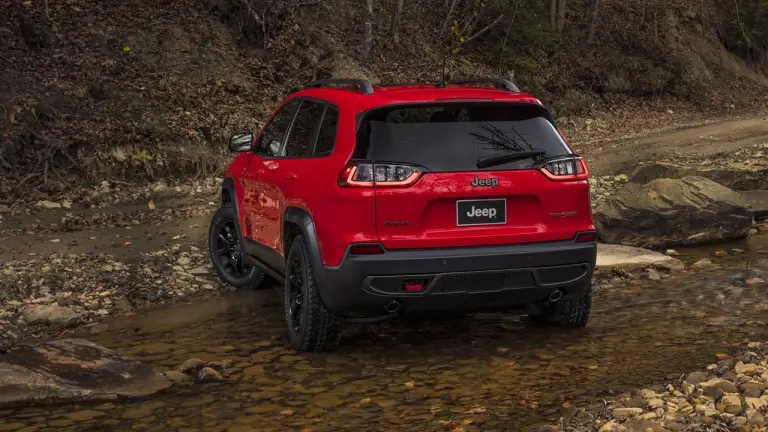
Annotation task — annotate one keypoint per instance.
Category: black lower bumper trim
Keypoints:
(482, 278)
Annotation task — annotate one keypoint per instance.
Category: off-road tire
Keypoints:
(321, 330)
(254, 277)
(572, 312)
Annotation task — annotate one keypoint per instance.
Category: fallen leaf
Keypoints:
(477, 410)
(410, 384)
(126, 49)
(151, 205)
(127, 244)
(722, 356)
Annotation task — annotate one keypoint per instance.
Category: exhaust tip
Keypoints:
(556, 295)
(392, 306)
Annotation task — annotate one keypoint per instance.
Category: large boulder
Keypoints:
(669, 212)
(73, 369)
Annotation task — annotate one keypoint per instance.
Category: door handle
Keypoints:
(290, 176)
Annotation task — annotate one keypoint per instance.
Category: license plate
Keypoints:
(481, 212)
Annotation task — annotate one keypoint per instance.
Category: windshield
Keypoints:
(457, 137)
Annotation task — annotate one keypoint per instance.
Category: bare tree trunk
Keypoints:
(593, 23)
(368, 38)
(46, 10)
(448, 17)
(396, 16)
(553, 14)
(561, 15)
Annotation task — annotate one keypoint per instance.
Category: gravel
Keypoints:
(727, 395)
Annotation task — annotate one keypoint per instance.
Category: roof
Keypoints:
(410, 94)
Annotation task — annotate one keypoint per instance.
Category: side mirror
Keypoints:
(241, 142)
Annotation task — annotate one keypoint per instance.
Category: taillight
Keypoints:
(566, 169)
(386, 175)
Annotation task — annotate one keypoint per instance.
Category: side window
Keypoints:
(327, 136)
(299, 143)
(273, 135)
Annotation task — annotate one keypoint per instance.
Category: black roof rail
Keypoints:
(499, 83)
(363, 84)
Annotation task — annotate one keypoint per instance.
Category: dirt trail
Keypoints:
(689, 145)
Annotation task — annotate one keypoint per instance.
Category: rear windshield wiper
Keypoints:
(502, 159)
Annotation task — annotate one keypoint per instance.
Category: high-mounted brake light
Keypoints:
(386, 175)
(566, 169)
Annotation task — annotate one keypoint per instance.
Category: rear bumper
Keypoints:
(458, 279)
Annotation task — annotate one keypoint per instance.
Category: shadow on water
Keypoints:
(487, 372)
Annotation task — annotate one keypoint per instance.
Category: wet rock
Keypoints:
(696, 377)
(730, 404)
(742, 368)
(178, 378)
(752, 387)
(668, 212)
(613, 426)
(672, 252)
(73, 369)
(209, 374)
(724, 385)
(652, 274)
(630, 258)
(626, 413)
(756, 418)
(191, 366)
(720, 253)
(758, 199)
(124, 305)
(52, 314)
(703, 263)
(9, 334)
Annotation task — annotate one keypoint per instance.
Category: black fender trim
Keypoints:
(229, 186)
(301, 218)
(254, 253)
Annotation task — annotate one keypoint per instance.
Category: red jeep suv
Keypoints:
(370, 202)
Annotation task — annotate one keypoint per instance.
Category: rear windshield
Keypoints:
(456, 137)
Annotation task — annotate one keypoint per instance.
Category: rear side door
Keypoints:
(261, 195)
(478, 181)
(307, 147)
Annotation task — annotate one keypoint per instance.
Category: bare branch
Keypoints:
(482, 30)
(448, 17)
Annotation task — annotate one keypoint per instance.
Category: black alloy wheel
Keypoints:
(296, 287)
(228, 248)
(226, 252)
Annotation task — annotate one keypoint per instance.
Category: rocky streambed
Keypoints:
(496, 372)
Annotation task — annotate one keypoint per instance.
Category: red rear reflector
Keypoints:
(413, 286)
(369, 249)
(586, 237)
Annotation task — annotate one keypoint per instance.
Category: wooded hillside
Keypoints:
(136, 90)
